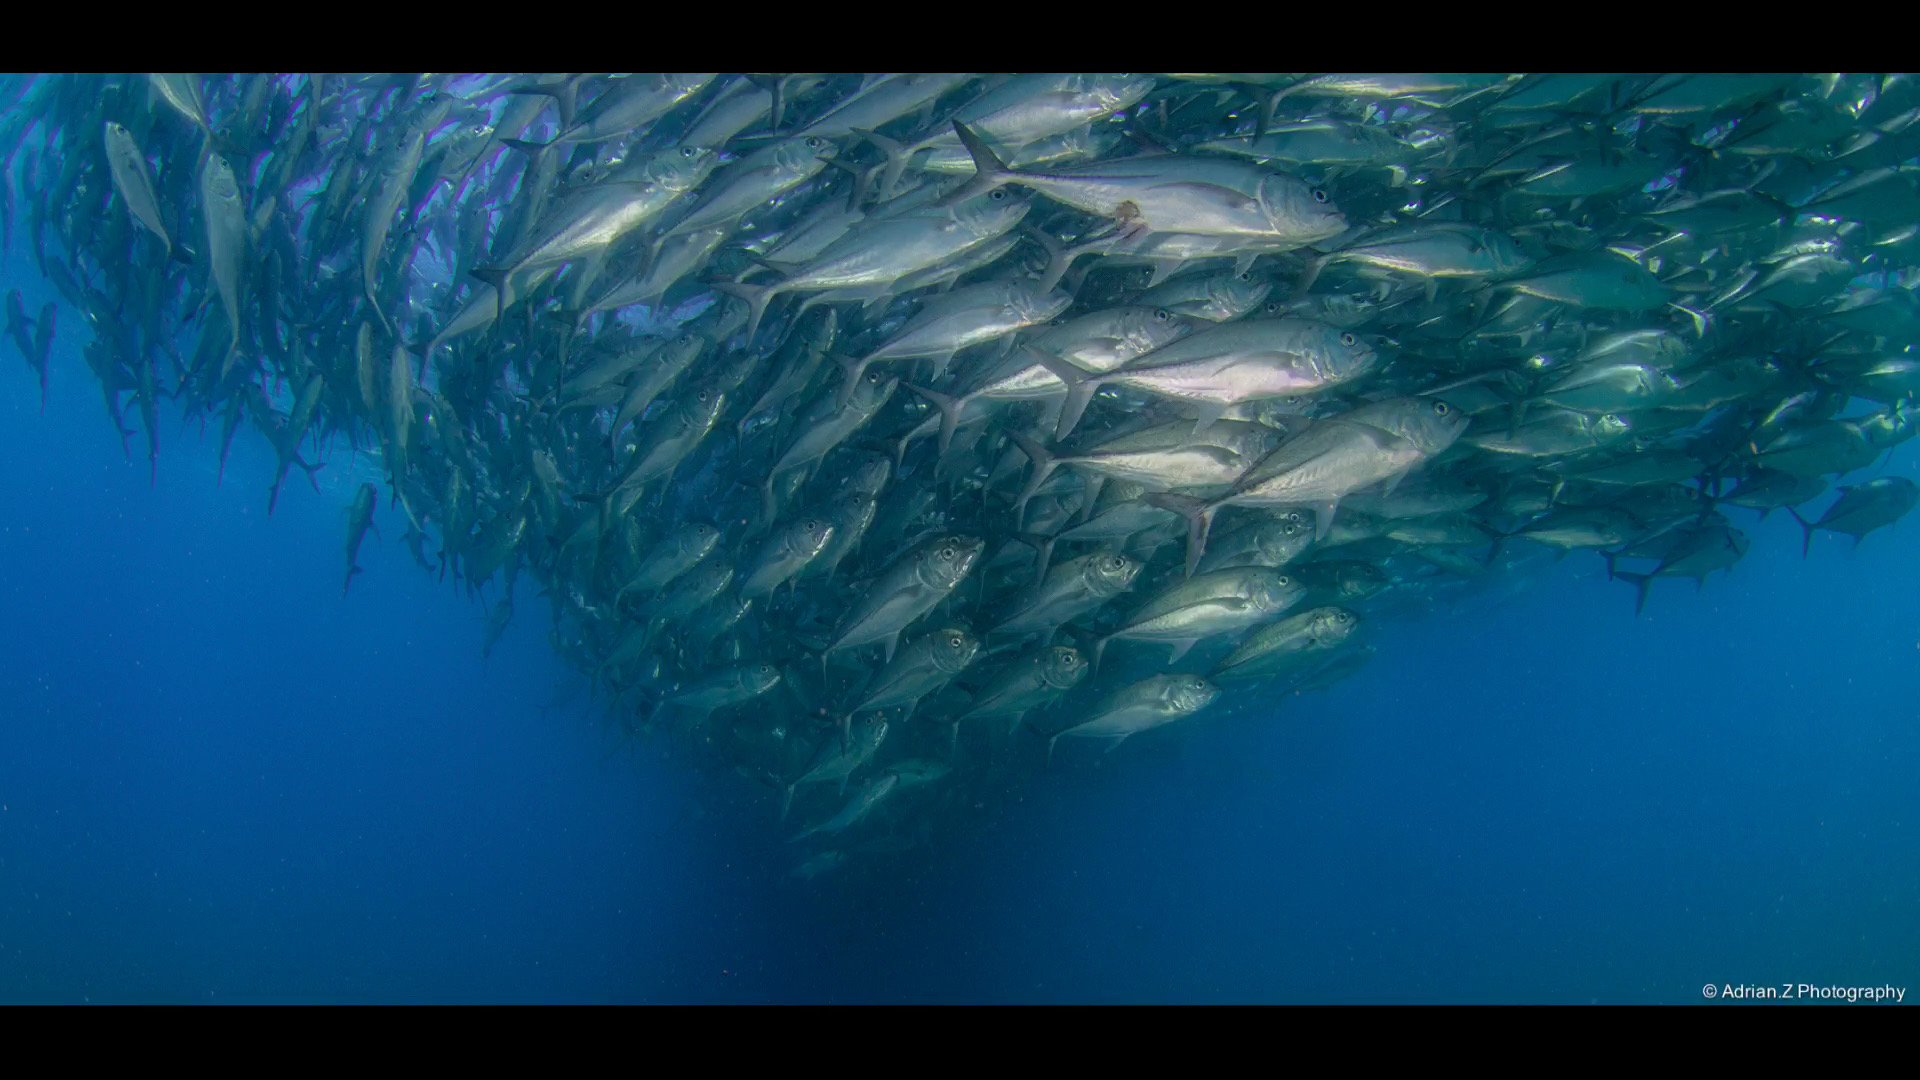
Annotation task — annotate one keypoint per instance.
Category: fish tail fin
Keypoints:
(989, 171)
(768, 505)
(898, 155)
(950, 409)
(1806, 532)
(647, 710)
(756, 296)
(1059, 258)
(1640, 584)
(310, 470)
(407, 507)
(527, 146)
(1269, 104)
(1050, 745)
(1323, 515)
(1095, 651)
(351, 572)
(1493, 549)
(17, 324)
(1702, 321)
(1080, 387)
(1043, 465)
(786, 800)
(1199, 514)
(851, 368)
(374, 303)
(1043, 551)
(1312, 274)
(495, 276)
(1516, 415)
(776, 90)
(43, 336)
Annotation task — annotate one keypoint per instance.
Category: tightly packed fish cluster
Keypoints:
(869, 436)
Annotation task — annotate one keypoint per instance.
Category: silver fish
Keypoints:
(135, 185)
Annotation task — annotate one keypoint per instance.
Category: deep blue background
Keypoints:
(222, 781)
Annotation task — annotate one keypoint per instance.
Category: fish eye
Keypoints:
(814, 143)
(999, 195)
(1440, 408)
(1284, 580)
(1246, 275)
(1272, 306)
(1348, 340)
(688, 151)
(1319, 196)
(948, 552)
(1162, 314)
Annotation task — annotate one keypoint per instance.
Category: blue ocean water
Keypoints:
(222, 781)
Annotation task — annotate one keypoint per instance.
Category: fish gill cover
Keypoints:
(885, 440)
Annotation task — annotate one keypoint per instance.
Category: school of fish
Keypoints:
(886, 439)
